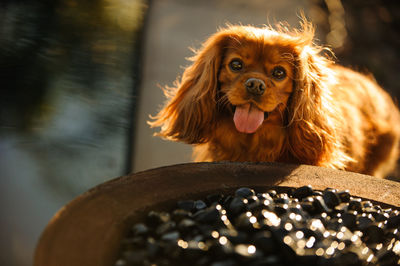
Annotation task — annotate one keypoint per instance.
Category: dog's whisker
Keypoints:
(223, 101)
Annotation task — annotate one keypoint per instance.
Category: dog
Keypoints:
(272, 95)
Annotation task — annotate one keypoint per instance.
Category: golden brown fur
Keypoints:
(319, 113)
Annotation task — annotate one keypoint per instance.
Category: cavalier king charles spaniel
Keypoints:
(271, 95)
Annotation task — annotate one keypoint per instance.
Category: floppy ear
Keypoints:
(189, 114)
(313, 135)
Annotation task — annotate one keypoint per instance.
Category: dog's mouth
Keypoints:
(248, 117)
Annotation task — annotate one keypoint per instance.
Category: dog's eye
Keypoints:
(279, 73)
(236, 65)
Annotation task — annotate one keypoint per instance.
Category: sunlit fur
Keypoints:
(320, 114)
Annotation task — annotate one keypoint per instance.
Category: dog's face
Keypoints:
(257, 79)
(244, 80)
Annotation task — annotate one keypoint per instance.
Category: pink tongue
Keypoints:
(248, 118)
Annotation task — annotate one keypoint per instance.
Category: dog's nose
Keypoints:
(255, 86)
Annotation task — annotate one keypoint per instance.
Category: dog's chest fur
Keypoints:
(267, 144)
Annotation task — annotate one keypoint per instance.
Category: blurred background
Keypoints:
(79, 79)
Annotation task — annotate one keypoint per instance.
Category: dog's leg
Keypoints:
(383, 155)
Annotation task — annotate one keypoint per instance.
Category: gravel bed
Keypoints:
(299, 227)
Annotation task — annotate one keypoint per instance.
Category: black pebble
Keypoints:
(265, 242)
(214, 198)
(210, 215)
(180, 214)
(303, 192)
(355, 205)
(140, 229)
(320, 205)
(364, 221)
(187, 226)
(331, 198)
(282, 199)
(165, 227)
(301, 227)
(135, 256)
(373, 233)
(154, 219)
(171, 236)
(187, 205)
(244, 192)
(344, 195)
(349, 258)
(350, 219)
(199, 205)
(393, 222)
(121, 262)
(272, 193)
(237, 206)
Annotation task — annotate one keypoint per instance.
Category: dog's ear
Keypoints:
(312, 137)
(189, 114)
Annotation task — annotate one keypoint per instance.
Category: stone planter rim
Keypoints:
(87, 231)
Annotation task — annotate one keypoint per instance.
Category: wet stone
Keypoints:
(301, 227)
(179, 214)
(344, 195)
(135, 256)
(187, 225)
(349, 220)
(193, 251)
(165, 227)
(153, 248)
(187, 205)
(272, 193)
(281, 209)
(245, 250)
(282, 199)
(210, 215)
(388, 257)
(303, 192)
(348, 258)
(364, 221)
(218, 250)
(256, 205)
(366, 204)
(214, 198)
(234, 236)
(140, 229)
(373, 233)
(244, 192)
(264, 196)
(171, 236)
(121, 262)
(341, 208)
(308, 207)
(331, 198)
(265, 242)
(237, 206)
(243, 223)
(393, 222)
(355, 205)
(226, 201)
(320, 205)
(379, 216)
(154, 219)
(317, 193)
(199, 205)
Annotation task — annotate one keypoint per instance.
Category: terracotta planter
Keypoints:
(88, 230)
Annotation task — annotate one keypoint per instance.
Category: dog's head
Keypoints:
(250, 78)
(256, 77)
